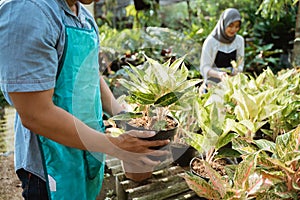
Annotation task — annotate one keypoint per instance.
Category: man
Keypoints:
(49, 73)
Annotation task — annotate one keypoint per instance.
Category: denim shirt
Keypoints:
(32, 38)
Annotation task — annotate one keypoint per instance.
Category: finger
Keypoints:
(150, 163)
(156, 143)
(159, 153)
(141, 134)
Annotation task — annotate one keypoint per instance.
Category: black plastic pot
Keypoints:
(160, 135)
(193, 171)
(182, 154)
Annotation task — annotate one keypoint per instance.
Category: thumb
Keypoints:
(141, 134)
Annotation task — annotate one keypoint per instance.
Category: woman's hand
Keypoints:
(222, 75)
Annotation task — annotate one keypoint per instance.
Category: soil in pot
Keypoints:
(198, 168)
(144, 123)
(182, 154)
(168, 133)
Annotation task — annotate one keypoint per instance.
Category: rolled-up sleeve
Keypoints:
(28, 58)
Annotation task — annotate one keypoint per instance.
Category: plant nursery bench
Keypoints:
(165, 184)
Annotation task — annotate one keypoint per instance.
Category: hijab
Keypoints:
(227, 17)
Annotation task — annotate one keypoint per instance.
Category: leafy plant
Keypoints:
(277, 163)
(243, 181)
(153, 88)
(215, 130)
(270, 100)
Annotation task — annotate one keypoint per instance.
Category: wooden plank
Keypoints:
(166, 183)
(170, 191)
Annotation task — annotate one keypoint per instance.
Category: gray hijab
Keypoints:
(227, 17)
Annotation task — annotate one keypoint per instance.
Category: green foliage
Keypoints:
(3, 101)
(253, 102)
(280, 166)
(150, 41)
(272, 8)
(154, 87)
(270, 166)
(244, 183)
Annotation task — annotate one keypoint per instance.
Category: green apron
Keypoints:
(72, 173)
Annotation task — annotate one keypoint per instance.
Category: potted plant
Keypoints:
(215, 135)
(279, 163)
(153, 88)
(242, 181)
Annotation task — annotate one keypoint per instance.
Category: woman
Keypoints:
(223, 50)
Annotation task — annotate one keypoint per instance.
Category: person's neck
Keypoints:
(72, 5)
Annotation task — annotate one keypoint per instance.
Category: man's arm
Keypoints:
(41, 116)
(109, 103)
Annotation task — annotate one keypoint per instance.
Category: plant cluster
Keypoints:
(260, 118)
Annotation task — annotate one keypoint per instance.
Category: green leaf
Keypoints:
(216, 179)
(168, 99)
(225, 139)
(132, 86)
(186, 84)
(143, 98)
(278, 163)
(292, 157)
(288, 142)
(195, 140)
(247, 104)
(201, 186)
(181, 75)
(126, 116)
(265, 145)
(177, 63)
(244, 170)
(243, 146)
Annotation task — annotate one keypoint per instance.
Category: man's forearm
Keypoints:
(109, 103)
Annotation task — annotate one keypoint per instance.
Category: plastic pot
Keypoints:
(182, 154)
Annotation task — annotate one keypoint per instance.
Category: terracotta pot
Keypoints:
(136, 173)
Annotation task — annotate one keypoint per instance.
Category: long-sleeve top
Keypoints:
(211, 47)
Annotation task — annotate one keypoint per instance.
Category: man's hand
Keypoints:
(131, 149)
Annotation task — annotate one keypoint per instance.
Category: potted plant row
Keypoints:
(257, 119)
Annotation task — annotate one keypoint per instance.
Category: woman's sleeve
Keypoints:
(240, 53)
(208, 55)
